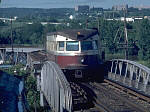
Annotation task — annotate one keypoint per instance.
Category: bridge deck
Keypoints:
(54, 86)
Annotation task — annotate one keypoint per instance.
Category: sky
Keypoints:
(70, 3)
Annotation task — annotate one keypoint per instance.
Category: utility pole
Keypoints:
(100, 50)
(87, 22)
(125, 35)
(12, 60)
(99, 40)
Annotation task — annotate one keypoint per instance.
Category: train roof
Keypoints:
(76, 34)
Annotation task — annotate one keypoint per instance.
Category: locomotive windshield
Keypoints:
(72, 46)
(88, 45)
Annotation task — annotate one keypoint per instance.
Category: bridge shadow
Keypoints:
(90, 95)
(84, 83)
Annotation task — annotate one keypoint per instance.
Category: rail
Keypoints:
(130, 73)
(128, 90)
(55, 88)
(111, 98)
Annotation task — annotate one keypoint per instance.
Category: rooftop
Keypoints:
(38, 56)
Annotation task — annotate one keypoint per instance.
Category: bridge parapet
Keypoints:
(55, 88)
(130, 73)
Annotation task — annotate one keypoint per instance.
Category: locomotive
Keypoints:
(75, 51)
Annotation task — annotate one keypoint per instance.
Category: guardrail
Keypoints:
(55, 88)
(130, 74)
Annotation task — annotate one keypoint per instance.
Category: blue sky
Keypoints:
(70, 3)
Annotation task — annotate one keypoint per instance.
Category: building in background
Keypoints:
(96, 9)
(120, 7)
(82, 8)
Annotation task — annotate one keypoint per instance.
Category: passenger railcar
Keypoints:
(75, 51)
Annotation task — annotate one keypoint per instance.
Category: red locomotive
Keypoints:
(75, 51)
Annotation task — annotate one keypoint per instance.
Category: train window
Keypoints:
(61, 46)
(86, 45)
(72, 46)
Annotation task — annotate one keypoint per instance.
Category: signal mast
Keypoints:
(125, 35)
(125, 44)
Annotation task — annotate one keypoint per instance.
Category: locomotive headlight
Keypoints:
(82, 60)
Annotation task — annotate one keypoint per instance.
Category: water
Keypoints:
(8, 92)
(20, 105)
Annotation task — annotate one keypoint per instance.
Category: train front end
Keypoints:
(78, 55)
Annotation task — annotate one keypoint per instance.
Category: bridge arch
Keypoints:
(55, 88)
(130, 73)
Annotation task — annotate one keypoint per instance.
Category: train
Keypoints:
(76, 51)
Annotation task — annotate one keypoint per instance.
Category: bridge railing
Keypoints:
(56, 88)
(130, 74)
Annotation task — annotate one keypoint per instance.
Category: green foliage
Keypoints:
(17, 70)
(23, 33)
(136, 12)
(146, 63)
(49, 28)
(32, 94)
(27, 34)
(138, 39)
(2, 23)
(143, 36)
(108, 30)
(28, 14)
(32, 34)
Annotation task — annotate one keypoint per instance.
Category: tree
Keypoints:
(108, 30)
(2, 23)
(143, 35)
(32, 34)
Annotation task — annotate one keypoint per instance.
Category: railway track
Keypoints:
(80, 97)
(113, 99)
(129, 91)
(110, 98)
